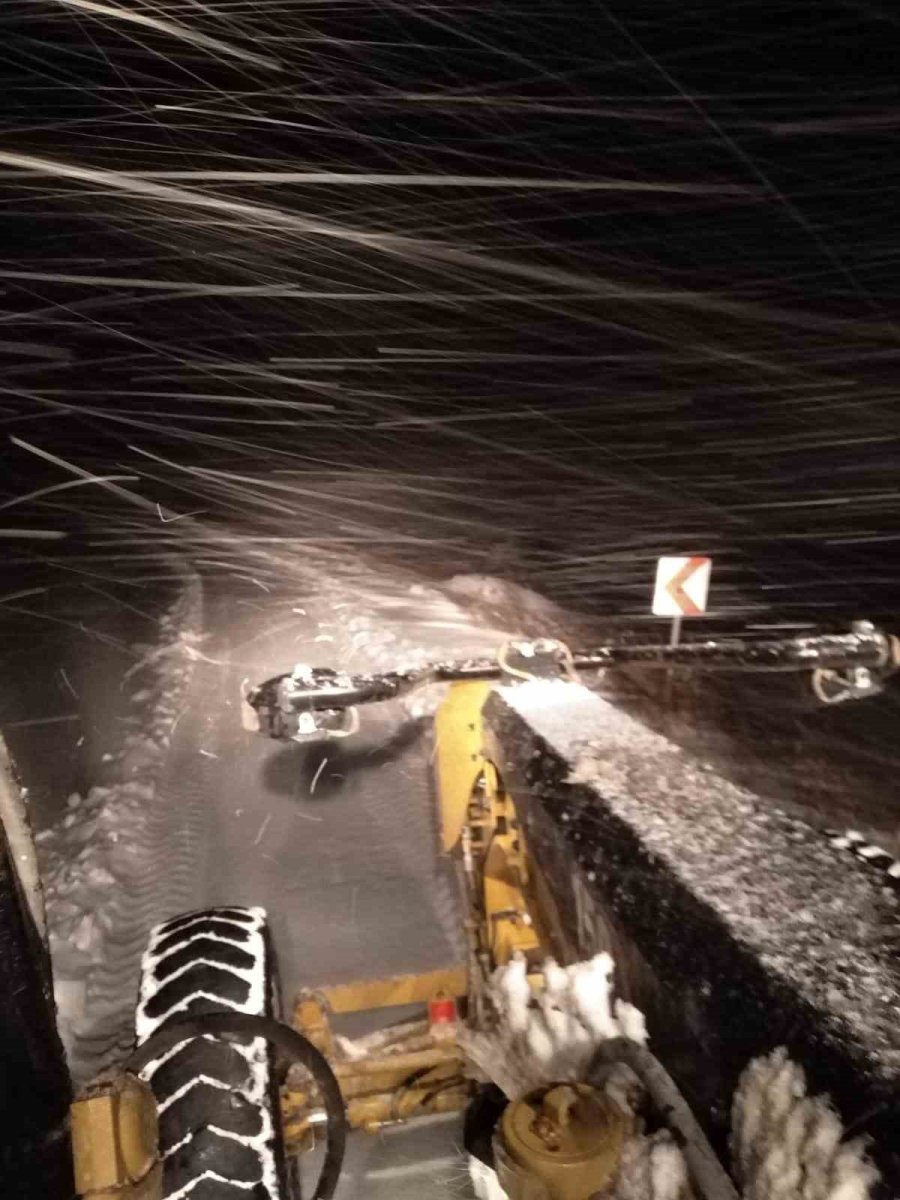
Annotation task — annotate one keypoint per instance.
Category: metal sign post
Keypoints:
(682, 585)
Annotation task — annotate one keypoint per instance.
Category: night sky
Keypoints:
(540, 290)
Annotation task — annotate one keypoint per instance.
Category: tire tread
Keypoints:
(218, 1119)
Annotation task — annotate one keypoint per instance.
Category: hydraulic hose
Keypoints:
(708, 1174)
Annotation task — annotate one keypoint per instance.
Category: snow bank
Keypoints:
(527, 612)
(88, 857)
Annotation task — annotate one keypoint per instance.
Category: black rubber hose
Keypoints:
(708, 1174)
(292, 1045)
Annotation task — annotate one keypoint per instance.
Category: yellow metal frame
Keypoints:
(502, 874)
(459, 755)
(420, 1074)
(114, 1140)
(365, 994)
(475, 807)
(385, 1100)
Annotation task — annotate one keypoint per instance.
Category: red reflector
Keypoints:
(442, 1011)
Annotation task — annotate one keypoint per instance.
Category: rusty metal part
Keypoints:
(380, 1091)
(376, 1110)
(370, 1074)
(371, 1113)
(418, 1060)
(399, 1074)
(561, 1142)
(311, 1019)
(378, 1098)
(114, 1140)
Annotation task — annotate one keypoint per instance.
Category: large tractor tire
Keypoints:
(217, 1100)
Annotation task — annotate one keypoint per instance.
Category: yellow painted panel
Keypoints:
(114, 1140)
(364, 994)
(459, 754)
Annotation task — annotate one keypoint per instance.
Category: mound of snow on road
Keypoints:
(93, 852)
(521, 607)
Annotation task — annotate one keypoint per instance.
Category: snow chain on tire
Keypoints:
(217, 1100)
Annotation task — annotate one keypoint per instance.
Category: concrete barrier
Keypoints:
(735, 927)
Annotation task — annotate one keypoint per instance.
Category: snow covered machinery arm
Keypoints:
(315, 702)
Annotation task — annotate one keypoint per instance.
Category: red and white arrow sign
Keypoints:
(681, 588)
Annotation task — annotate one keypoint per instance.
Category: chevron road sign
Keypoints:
(681, 587)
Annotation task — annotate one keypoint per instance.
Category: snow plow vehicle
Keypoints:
(610, 1031)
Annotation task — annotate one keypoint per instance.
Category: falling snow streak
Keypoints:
(527, 290)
